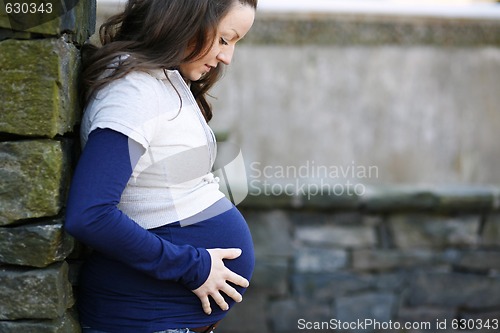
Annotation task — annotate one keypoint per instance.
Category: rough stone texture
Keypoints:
(441, 199)
(375, 306)
(39, 87)
(454, 290)
(34, 293)
(285, 314)
(320, 260)
(347, 29)
(327, 286)
(255, 200)
(427, 267)
(11, 34)
(491, 315)
(329, 200)
(32, 177)
(271, 276)
(420, 230)
(37, 245)
(479, 260)
(467, 198)
(395, 281)
(76, 17)
(491, 231)
(345, 236)
(311, 216)
(382, 198)
(375, 259)
(64, 324)
(272, 230)
(246, 317)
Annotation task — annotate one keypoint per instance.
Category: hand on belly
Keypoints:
(218, 279)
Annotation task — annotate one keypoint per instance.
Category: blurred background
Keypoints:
(408, 87)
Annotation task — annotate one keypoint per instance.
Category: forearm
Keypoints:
(93, 217)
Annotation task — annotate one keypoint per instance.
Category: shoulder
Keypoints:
(130, 105)
(136, 91)
(133, 85)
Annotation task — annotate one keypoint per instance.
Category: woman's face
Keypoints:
(232, 28)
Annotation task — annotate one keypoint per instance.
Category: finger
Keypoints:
(233, 293)
(238, 279)
(205, 304)
(221, 302)
(229, 253)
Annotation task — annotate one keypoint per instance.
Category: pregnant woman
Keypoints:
(170, 252)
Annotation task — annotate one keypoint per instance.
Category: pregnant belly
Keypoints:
(114, 288)
(226, 230)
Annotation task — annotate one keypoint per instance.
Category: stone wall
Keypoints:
(38, 112)
(398, 257)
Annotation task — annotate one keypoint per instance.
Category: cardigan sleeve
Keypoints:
(92, 216)
(129, 105)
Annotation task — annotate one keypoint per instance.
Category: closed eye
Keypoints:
(223, 41)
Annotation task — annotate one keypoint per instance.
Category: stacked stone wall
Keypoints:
(39, 111)
(412, 256)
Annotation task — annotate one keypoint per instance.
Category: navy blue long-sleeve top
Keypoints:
(140, 280)
(92, 216)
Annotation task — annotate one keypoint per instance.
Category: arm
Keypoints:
(102, 173)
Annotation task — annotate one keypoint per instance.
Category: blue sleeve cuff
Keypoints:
(199, 272)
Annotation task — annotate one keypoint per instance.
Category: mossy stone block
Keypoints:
(64, 324)
(39, 87)
(35, 293)
(32, 179)
(37, 245)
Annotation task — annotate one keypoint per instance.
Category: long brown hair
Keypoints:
(155, 34)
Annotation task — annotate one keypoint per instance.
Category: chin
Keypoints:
(194, 77)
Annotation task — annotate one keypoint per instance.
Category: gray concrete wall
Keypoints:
(415, 97)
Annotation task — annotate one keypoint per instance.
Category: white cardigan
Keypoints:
(172, 180)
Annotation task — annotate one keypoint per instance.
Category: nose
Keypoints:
(226, 55)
